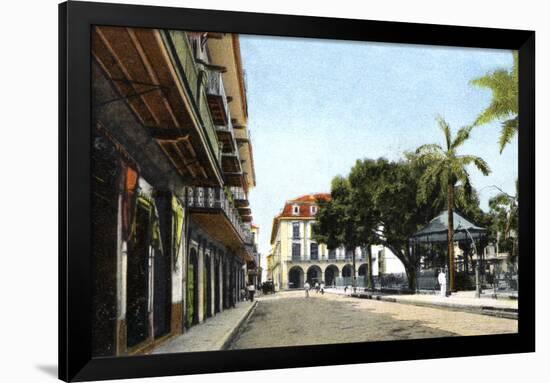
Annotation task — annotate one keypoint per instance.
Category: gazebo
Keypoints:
(466, 233)
(436, 230)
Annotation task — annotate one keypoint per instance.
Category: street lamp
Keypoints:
(478, 286)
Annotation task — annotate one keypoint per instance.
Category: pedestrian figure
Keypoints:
(442, 279)
(322, 288)
(243, 295)
(251, 291)
(316, 287)
(306, 288)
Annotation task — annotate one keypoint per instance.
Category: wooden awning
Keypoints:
(221, 230)
(137, 63)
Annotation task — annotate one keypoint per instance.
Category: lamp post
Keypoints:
(478, 287)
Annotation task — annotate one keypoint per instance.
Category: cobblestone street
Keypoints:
(289, 319)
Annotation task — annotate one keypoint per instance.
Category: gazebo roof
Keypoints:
(436, 229)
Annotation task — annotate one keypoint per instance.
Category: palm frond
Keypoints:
(428, 148)
(503, 84)
(445, 129)
(428, 181)
(430, 158)
(508, 131)
(461, 136)
(478, 162)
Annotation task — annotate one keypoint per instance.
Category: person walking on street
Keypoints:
(251, 291)
(322, 288)
(306, 288)
(316, 287)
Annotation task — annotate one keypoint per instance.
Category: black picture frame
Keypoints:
(75, 22)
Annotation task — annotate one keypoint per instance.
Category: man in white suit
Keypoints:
(442, 279)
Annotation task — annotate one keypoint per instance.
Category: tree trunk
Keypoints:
(450, 238)
(411, 277)
(370, 280)
(353, 280)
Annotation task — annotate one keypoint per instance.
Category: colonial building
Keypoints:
(296, 257)
(269, 266)
(172, 166)
(255, 268)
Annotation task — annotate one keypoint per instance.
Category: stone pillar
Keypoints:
(121, 270)
(305, 247)
(213, 284)
(200, 279)
(225, 283)
(177, 291)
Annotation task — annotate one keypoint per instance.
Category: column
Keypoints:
(200, 279)
(220, 283)
(213, 283)
(305, 248)
(225, 283)
(177, 292)
(121, 270)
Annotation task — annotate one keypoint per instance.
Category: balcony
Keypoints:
(215, 212)
(231, 162)
(226, 135)
(198, 43)
(322, 259)
(217, 99)
(240, 198)
(172, 122)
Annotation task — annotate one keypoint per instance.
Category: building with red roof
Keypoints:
(296, 257)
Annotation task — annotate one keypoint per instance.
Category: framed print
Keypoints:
(246, 191)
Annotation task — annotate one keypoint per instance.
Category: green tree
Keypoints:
(445, 168)
(384, 201)
(503, 83)
(504, 210)
(336, 223)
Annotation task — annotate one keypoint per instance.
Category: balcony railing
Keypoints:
(324, 259)
(190, 71)
(215, 199)
(199, 46)
(238, 193)
(217, 97)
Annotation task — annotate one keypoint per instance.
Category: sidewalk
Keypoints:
(211, 335)
(461, 301)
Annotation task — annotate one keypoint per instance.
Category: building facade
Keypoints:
(296, 257)
(254, 272)
(171, 169)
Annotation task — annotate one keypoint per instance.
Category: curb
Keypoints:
(500, 312)
(237, 329)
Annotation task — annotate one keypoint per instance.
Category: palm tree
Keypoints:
(447, 169)
(503, 84)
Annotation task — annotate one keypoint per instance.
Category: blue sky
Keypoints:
(315, 106)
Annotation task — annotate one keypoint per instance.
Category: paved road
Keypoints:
(289, 319)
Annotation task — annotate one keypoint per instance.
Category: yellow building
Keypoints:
(296, 257)
(269, 265)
